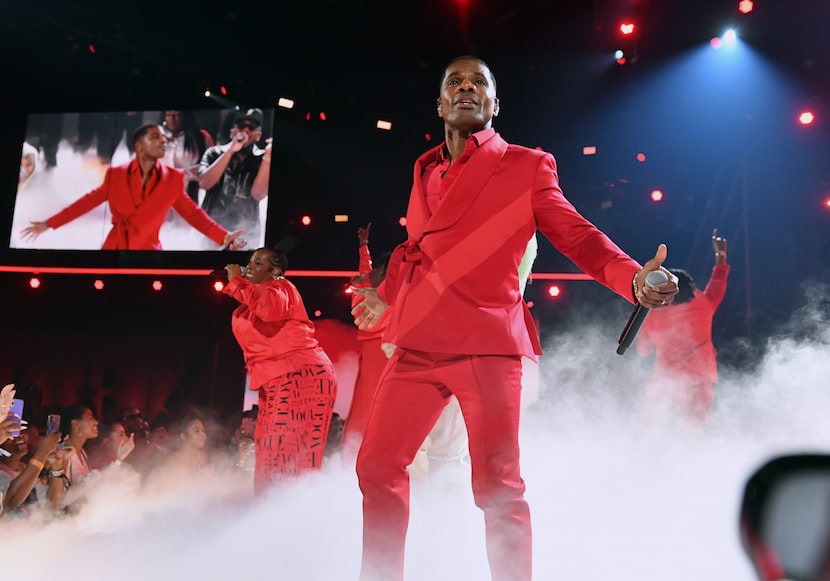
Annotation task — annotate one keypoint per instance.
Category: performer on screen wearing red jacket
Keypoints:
(139, 194)
(685, 366)
(294, 376)
(460, 324)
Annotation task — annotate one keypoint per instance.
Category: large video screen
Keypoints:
(143, 180)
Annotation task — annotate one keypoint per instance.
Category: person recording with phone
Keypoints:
(18, 478)
(235, 176)
(293, 375)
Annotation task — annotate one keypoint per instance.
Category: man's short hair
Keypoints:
(142, 131)
(467, 57)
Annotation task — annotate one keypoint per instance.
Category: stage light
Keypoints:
(641, 157)
(745, 6)
(98, 284)
(218, 286)
(589, 150)
(306, 220)
(223, 90)
(308, 116)
(530, 304)
(806, 118)
(385, 125)
(730, 37)
(715, 42)
(621, 61)
(348, 290)
(627, 28)
(322, 116)
(402, 221)
(34, 282)
(157, 285)
(656, 196)
(318, 313)
(92, 48)
(554, 291)
(207, 92)
(285, 103)
(427, 136)
(618, 55)
(341, 217)
(827, 203)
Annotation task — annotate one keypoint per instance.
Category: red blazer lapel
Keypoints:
(472, 180)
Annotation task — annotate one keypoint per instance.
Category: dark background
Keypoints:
(721, 140)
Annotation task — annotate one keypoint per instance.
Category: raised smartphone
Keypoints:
(53, 423)
(16, 409)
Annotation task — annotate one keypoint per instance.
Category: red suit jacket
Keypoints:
(137, 218)
(454, 283)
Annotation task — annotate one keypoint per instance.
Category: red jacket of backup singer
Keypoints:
(272, 327)
(682, 334)
(138, 213)
(454, 284)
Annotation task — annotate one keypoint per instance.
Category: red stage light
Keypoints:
(627, 28)
(34, 282)
(715, 42)
(92, 48)
(322, 116)
(98, 284)
(427, 136)
(306, 220)
(318, 313)
(827, 203)
(806, 118)
(157, 285)
(656, 196)
(554, 291)
(308, 116)
(746, 6)
(218, 286)
(641, 157)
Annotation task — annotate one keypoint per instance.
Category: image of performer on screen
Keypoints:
(235, 176)
(139, 195)
(186, 144)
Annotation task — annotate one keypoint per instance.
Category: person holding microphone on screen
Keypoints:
(139, 194)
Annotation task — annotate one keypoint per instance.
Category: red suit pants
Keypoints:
(412, 393)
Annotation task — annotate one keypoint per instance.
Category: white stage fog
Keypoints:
(613, 496)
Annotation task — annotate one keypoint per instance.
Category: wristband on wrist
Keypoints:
(637, 294)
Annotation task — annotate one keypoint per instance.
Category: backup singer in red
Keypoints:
(685, 366)
(460, 324)
(292, 373)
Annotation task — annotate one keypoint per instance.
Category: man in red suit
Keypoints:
(685, 365)
(460, 324)
(139, 195)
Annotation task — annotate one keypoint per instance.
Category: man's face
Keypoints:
(248, 128)
(468, 96)
(153, 144)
